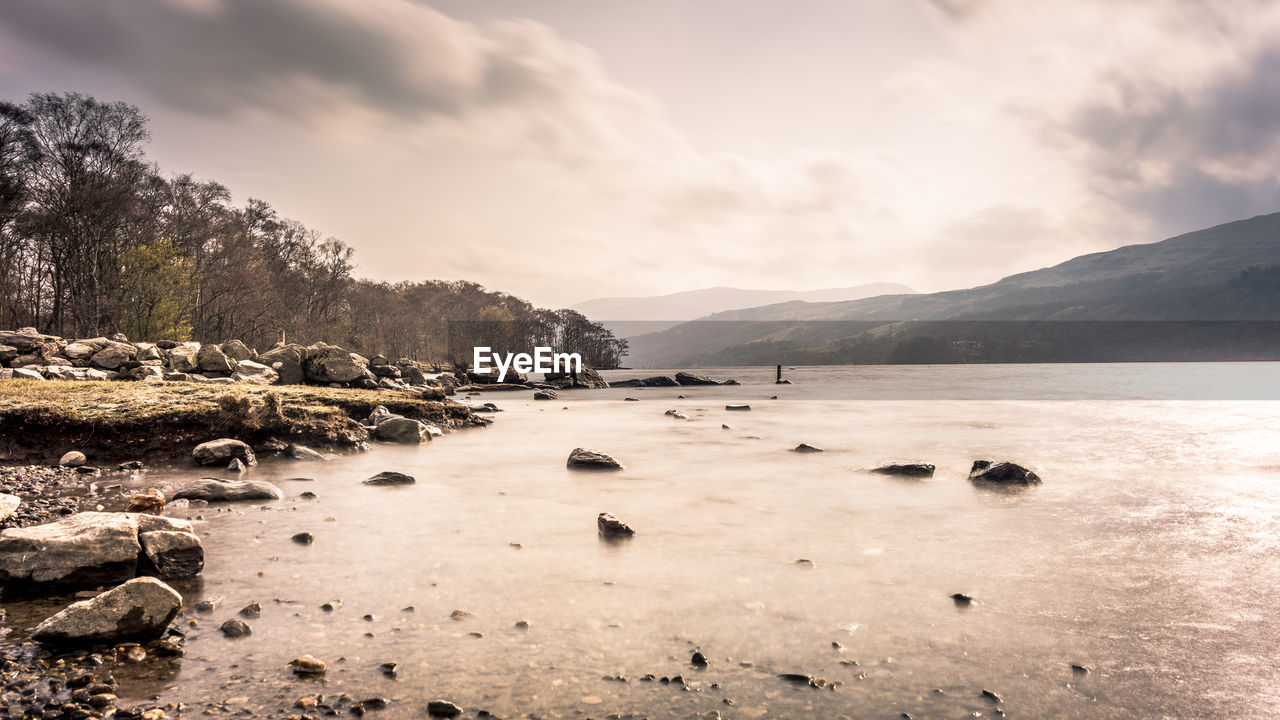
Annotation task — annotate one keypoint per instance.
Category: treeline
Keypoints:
(94, 239)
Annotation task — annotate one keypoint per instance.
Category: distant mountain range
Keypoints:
(1172, 299)
(657, 312)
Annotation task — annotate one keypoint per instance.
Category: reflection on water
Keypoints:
(1149, 555)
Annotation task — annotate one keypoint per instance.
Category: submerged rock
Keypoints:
(961, 600)
(85, 549)
(676, 414)
(906, 470)
(223, 451)
(545, 395)
(685, 378)
(1004, 473)
(216, 490)
(390, 478)
(302, 452)
(583, 459)
(806, 448)
(737, 408)
(443, 708)
(75, 458)
(234, 628)
(655, 381)
(140, 609)
(402, 430)
(171, 547)
(307, 665)
(609, 525)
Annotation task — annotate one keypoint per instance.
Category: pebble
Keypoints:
(307, 665)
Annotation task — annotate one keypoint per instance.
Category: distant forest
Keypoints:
(94, 239)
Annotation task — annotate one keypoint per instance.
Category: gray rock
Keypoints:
(221, 452)
(234, 628)
(737, 408)
(248, 371)
(183, 358)
(81, 349)
(676, 414)
(113, 356)
(302, 452)
(609, 525)
(330, 364)
(545, 395)
(7, 353)
(379, 415)
(8, 504)
(215, 490)
(140, 609)
(236, 350)
(23, 339)
(26, 374)
(286, 360)
(90, 548)
(173, 553)
(402, 430)
(655, 381)
(583, 459)
(443, 708)
(390, 478)
(149, 352)
(1003, 473)
(685, 378)
(236, 466)
(147, 372)
(806, 448)
(921, 470)
(75, 458)
(212, 359)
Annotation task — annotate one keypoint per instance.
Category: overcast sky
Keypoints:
(568, 149)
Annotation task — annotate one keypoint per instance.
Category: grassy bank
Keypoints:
(116, 421)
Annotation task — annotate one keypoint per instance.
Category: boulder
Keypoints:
(81, 349)
(113, 356)
(286, 360)
(221, 451)
(685, 378)
(921, 470)
(806, 448)
(413, 375)
(7, 353)
(173, 553)
(545, 395)
(147, 372)
(26, 374)
(331, 364)
(140, 609)
(8, 504)
(149, 501)
(676, 414)
(655, 381)
(379, 415)
(75, 458)
(236, 350)
(248, 371)
(390, 478)
(610, 526)
(236, 466)
(1003, 473)
(64, 372)
(302, 452)
(149, 352)
(183, 358)
(402, 430)
(586, 378)
(25, 338)
(384, 370)
(216, 490)
(583, 459)
(210, 358)
(90, 548)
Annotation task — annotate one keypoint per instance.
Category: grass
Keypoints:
(144, 420)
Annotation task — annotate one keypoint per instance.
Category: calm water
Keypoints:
(1151, 554)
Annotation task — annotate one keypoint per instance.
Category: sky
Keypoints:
(563, 150)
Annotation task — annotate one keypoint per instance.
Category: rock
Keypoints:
(303, 538)
(545, 395)
(173, 553)
(252, 610)
(150, 501)
(330, 364)
(118, 337)
(302, 452)
(806, 448)
(655, 381)
(236, 466)
(737, 408)
(610, 526)
(8, 504)
(235, 628)
(586, 378)
(149, 352)
(906, 470)
(380, 415)
(26, 374)
(390, 478)
(676, 414)
(443, 708)
(248, 371)
(698, 660)
(413, 374)
(182, 359)
(140, 609)
(75, 458)
(286, 360)
(1004, 473)
(402, 430)
(307, 665)
(210, 358)
(90, 548)
(113, 356)
(236, 350)
(583, 459)
(147, 372)
(961, 600)
(685, 378)
(81, 349)
(23, 338)
(221, 451)
(216, 490)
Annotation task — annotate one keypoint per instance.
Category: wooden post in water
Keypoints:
(779, 375)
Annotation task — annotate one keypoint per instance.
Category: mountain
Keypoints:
(694, 304)
(1161, 294)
